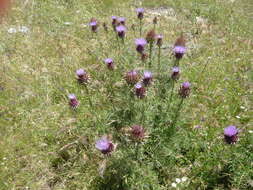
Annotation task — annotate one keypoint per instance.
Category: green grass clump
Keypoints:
(47, 145)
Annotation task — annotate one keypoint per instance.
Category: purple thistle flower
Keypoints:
(147, 78)
(93, 24)
(82, 76)
(132, 77)
(73, 101)
(122, 20)
(104, 145)
(179, 51)
(175, 73)
(159, 41)
(140, 90)
(184, 91)
(114, 22)
(230, 134)
(109, 62)
(140, 44)
(140, 13)
(138, 132)
(121, 30)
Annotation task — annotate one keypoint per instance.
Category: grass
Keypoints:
(38, 72)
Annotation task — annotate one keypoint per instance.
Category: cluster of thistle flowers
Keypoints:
(105, 144)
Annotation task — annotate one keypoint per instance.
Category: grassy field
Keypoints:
(44, 144)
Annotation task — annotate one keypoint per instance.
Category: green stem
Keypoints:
(150, 53)
(171, 94)
(140, 27)
(88, 95)
(177, 112)
(159, 60)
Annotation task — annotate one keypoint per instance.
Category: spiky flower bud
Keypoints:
(82, 76)
(155, 20)
(140, 90)
(132, 77)
(73, 101)
(159, 41)
(151, 36)
(184, 91)
(175, 73)
(93, 24)
(230, 134)
(147, 78)
(137, 132)
(144, 57)
(110, 64)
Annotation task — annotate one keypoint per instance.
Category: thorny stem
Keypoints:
(88, 95)
(150, 53)
(177, 112)
(159, 60)
(176, 63)
(140, 27)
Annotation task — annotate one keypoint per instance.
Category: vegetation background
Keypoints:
(38, 71)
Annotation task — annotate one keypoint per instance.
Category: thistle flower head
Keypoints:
(175, 73)
(114, 18)
(104, 145)
(132, 77)
(140, 13)
(184, 91)
(140, 90)
(73, 101)
(93, 24)
(179, 51)
(114, 22)
(147, 78)
(159, 41)
(140, 44)
(138, 132)
(230, 134)
(150, 37)
(121, 30)
(122, 20)
(82, 76)
(109, 62)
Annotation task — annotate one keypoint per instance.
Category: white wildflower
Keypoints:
(238, 117)
(174, 185)
(67, 23)
(23, 29)
(250, 131)
(12, 30)
(184, 179)
(178, 180)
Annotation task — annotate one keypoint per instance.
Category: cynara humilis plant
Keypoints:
(142, 87)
